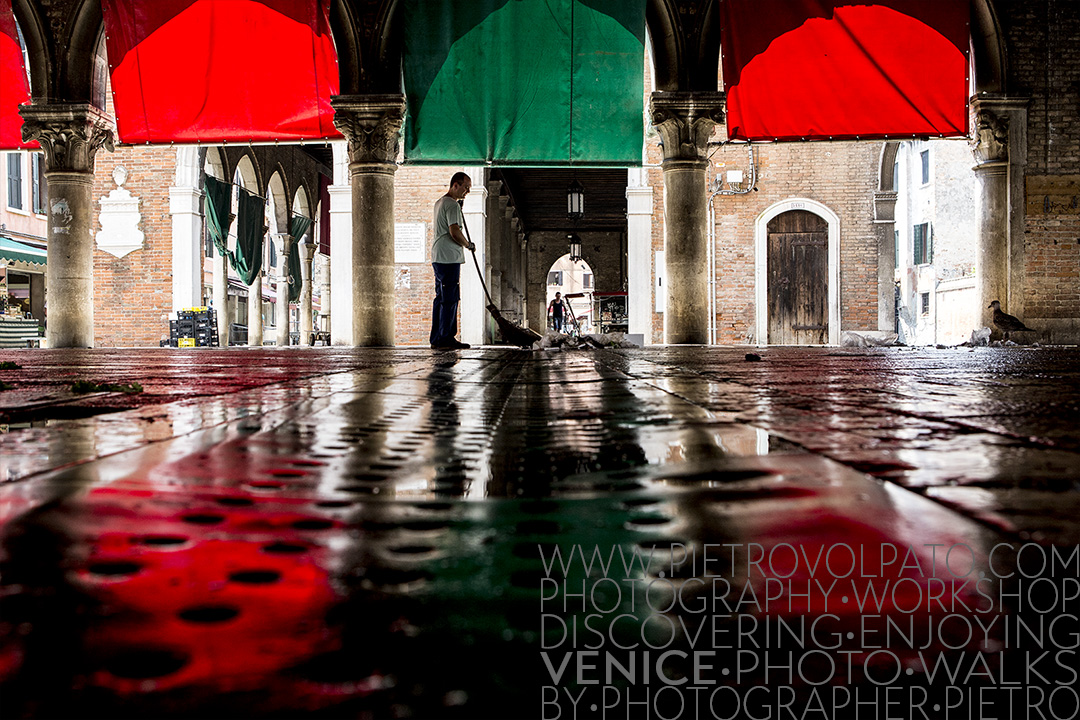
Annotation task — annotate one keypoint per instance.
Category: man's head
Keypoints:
(460, 185)
(558, 295)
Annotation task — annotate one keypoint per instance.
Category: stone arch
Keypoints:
(248, 168)
(75, 71)
(761, 260)
(301, 205)
(277, 197)
(37, 47)
(545, 248)
(215, 165)
(990, 57)
(886, 182)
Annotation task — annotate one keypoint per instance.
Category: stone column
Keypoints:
(324, 299)
(307, 254)
(685, 121)
(494, 217)
(639, 210)
(371, 124)
(508, 288)
(254, 318)
(221, 296)
(1000, 147)
(70, 135)
(498, 248)
(282, 245)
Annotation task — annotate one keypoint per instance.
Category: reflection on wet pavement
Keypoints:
(485, 534)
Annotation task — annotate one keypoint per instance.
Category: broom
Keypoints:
(511, 333)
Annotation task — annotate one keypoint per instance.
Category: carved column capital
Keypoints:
(371, 124)
(307, 251)
(991, 141)
(69, 133)
(685, 121)
(998, 123)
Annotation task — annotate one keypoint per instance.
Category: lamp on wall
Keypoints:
(575, 200)
(575, 247)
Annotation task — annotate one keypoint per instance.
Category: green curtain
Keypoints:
(298, 226)
(524, 82)
(250, 229)
(218, 218)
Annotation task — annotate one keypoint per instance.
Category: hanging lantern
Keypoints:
(575, 247)
(575, 200)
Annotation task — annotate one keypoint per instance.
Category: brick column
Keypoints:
(685, 121)
(70, 135)
(371, 124)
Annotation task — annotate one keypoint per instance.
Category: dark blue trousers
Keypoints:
(445, 308)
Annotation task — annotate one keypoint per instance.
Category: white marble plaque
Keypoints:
(119, 219)
(410, 243)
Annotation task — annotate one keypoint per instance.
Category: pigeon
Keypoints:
(1007, 323)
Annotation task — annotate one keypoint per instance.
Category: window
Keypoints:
(896, 248)
(586, 281)
(896, 176)
(37, 182)
(923, 254)
(555, 277)
(14, 183)
(925, 157)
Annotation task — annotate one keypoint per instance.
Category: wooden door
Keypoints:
(798, 279)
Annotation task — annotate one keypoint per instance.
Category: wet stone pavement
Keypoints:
(663, 532)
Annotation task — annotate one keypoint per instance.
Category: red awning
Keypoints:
(14, 87)
(826, 69)
(221, 70)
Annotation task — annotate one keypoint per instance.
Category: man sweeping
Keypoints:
(447, 257)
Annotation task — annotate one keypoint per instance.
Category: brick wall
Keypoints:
(841, 176)
(1043, 59)
(133, 294)
(415, 191)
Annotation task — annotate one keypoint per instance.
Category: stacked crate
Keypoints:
(194, 327)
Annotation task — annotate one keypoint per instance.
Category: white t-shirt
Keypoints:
(445, 250)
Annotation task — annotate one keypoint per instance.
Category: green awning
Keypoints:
(298, 227)
(15, 251)
(218, 217)
(250, 229)
(524, 82)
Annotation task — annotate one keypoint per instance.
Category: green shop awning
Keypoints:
(524, 82)
(15, 251)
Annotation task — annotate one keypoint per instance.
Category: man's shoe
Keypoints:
(456, 345)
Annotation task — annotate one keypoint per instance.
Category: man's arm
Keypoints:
(459, 237)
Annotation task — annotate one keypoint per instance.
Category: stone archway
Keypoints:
(761, 235)
(598, 250)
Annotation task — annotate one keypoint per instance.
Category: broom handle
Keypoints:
(475, 261)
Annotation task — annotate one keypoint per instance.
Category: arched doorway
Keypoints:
(797, 274)
(575, 282)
